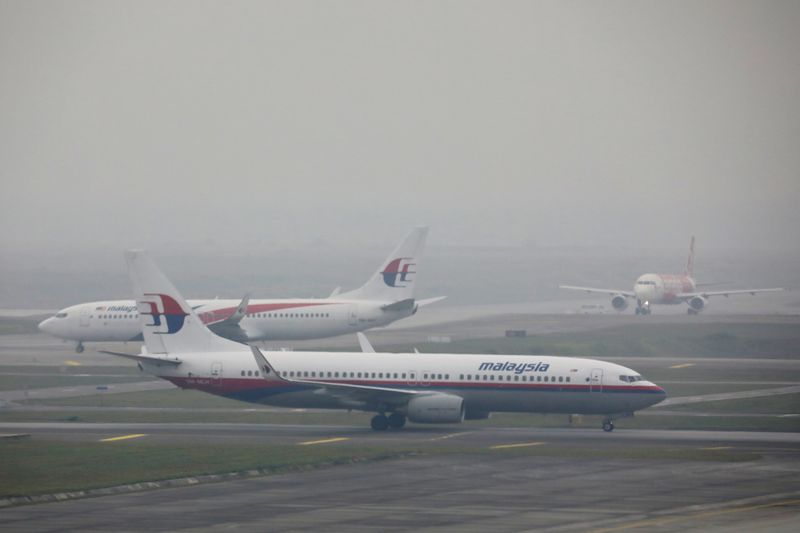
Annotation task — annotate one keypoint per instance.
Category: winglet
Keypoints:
(366, 347)
(240, 312)
(335, 292)
(267, 371)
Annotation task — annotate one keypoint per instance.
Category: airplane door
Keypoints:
(596, 380)
(216, 373)
(352, 315)
(84, 320)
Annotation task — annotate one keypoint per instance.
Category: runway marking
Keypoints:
(718, 448)
(124, 437)
(451, 435)
(684, 365)
(520, 445)
(70, 362)
(324, 441)
(655, 522)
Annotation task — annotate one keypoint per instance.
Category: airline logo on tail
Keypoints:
(398, 268)
(173, 315)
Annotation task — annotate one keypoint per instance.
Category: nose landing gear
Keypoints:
(79, 347)
(608, 425)
(642, 308)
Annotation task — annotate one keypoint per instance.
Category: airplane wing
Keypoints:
(610, 292)
(348, 394)
(708, 294)
(145, 357)
(229, 327)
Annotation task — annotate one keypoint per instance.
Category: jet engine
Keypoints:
(697, 304)
(436, 408)
(619, 302)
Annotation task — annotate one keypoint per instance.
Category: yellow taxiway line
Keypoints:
(520, 445)
(684, 365)
(124, 437)
(324, 441)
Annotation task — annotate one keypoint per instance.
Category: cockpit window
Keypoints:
(645, 282)
(631, 379)
(61, 315)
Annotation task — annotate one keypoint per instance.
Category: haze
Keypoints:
(201, 127)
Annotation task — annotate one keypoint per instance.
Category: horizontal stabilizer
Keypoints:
(146, 358)
(400, 305)
(363, 341)
(428, 301)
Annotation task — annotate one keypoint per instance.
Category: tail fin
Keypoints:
(395, 278)
(690, 262)
(169, 325)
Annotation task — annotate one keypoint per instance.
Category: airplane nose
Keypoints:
(46, 325)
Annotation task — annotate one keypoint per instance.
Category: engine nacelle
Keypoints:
(698, 303)
(619, 302)
(436, 409)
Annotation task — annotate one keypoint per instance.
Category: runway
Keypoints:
(465, 477)
(487, 487)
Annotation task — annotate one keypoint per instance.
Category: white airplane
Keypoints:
(431, 388)
(667, 289)
(386, 297)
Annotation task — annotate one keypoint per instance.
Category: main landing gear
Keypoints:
(608, 425)
(381, 422)
(79, 347)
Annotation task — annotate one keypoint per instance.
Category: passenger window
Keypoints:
(249, 372)
(491, 377)
(567, 379)
(516, 378)
(255, 372)
(539, 378)
(243, 372)
(560, 379)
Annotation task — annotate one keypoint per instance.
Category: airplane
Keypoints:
(666, 289)
(430, 388)
(386, 297)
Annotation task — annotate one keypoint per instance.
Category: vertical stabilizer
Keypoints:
(690, 262)
(397, 275)
(169, 325)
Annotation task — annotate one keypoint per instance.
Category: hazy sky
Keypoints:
(150, 123)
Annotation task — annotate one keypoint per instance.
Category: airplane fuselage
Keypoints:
(542, 384)
(266, 320)
(663, 288)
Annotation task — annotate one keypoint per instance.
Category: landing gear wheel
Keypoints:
(379, 422)
(608, 426)
(396, 420)
(79, 347)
